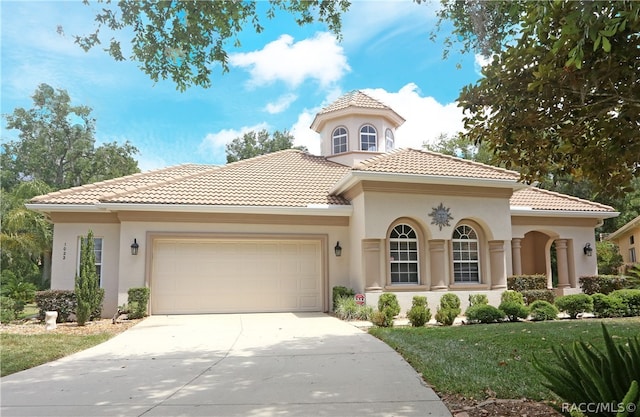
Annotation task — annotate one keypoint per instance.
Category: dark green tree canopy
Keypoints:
(259, 143)
(562, 92)
(183, 40)
(56, 145)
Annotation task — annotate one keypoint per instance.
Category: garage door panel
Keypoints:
(209, 276)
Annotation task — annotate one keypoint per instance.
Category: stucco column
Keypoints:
(437, 261)
(516, 247)
(498, 265)
(371, 252)
(563, 263)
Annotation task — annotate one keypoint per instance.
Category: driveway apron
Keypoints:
(279, 364)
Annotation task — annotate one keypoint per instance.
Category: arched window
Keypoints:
(368, 138)
(403, 255)
(339, 140)
(466, 262)
(389, 140)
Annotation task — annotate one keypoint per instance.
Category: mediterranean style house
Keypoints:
(628, 240)
(277, 232)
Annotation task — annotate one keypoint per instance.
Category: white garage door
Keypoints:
(227, 276)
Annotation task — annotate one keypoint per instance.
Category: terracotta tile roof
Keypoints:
(93, 193)
(289, 178)
(539, 199)
(354, 98)
(412, 161)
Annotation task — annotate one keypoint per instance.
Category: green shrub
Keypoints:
(607, 306)
(449, 309)
(7, 309)
(138, 300)
(389, 302)
(603, 284)
(631, 299)
(527, 282)
(62, 301)
(21, 292)
(341, 292)
(512, 296)
(419, 314)
(514, 310)
(382, 318)
(574, 304)
(583, 374)
(534, 295)
(541, 310)
(348, 309)
(484, 313)
(89, 295)
(475, 299)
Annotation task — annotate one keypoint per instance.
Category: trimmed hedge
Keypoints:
(631, 300)
(531, 296)
(484, 313)
(449, 309)
(542, 310)
(419, 314)
(527, 282)
(514, 310)
(62, 301)
(575, 304)
(603, 284)
(138, 299)
(605, 306)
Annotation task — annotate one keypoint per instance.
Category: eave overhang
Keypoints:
(531, 212)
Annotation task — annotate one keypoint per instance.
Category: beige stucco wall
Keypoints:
(624, 244)
(65, 258)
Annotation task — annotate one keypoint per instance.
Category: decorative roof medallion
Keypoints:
(441, 216)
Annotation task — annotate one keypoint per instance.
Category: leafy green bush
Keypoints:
(62, 301)
(514, 310)
(574, 304)
(7, 309)
(138, 299)
(543, 310)
(512, 296)
(419, 314)
(89, 295)
(534, 295)
(608, 306)
(388, 301)
(527, 282)
(21, 292)
(609, 257)
(348, 309)
(341, 292)
(484, 313)
(475, 299)
(631, 299)
(583, 374)
(449, 309)
(382, 318)
(603, 284)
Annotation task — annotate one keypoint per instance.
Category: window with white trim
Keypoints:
(368, 138)
(339, 140)
(403, 255)
(466, 262)
(97, 250)
(389, 140)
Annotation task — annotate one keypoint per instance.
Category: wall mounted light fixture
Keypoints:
(134, 247)
(338, 249)
(588, 250)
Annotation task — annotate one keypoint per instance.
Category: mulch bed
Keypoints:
(34, 326)
(494, 407)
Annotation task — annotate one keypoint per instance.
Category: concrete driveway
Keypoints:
(255, 365)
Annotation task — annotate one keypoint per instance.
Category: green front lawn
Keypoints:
(20, 352)
(475, 360)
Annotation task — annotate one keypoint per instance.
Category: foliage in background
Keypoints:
(609, 257)
(561, 86)
(20, 292)
(531, 296)
(448, 310)
(340, 291)
(527, 282)
(89, 295)
(603, 284)
(585, 374)
(183, 41)
(631, 299)
(259, 143)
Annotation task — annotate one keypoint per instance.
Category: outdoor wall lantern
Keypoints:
(134, 247)
(338, 249)
(588, 250)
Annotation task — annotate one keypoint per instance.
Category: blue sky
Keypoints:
(279, 79)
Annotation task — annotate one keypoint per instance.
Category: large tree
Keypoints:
(56, 145)
(561, 94)
(259, 143)
(184, 40)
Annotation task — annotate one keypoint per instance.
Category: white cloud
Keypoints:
(303, 134)
(425, 118)
(281, 104)
(319, 58)
(481, 61)
(214, 143)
